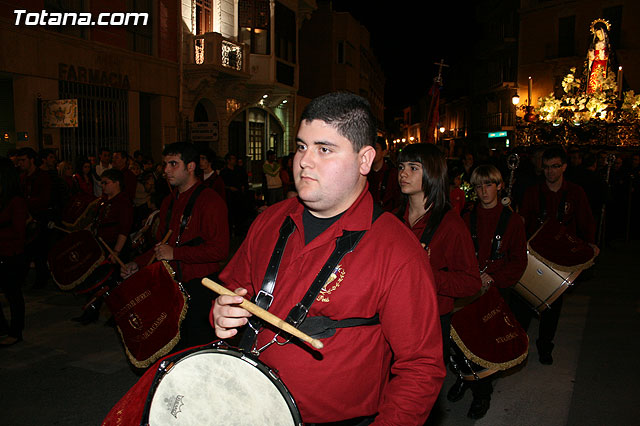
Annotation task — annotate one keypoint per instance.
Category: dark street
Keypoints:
(67, 374)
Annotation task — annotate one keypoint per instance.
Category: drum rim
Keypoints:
(527, 293)
(53, 267)
(100, 282)
(222, 348)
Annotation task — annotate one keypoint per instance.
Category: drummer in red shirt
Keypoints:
(112, 225)
(199, 241)
(115, 213)
(385, 372)
(502, 262)
(563, 201)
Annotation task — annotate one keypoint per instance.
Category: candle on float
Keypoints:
(530, 87)
(619, 82)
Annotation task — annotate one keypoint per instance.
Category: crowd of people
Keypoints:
(417, 223)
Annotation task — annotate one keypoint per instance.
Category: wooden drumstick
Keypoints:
(52, 225)
(112, 253)
(164, 241)
(264, 315)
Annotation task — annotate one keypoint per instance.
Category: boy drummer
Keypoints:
(502, 261)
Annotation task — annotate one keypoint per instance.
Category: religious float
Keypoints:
(590, 109)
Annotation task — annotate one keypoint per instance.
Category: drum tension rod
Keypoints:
(475, 376)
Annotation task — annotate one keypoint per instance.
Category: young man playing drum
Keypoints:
(199, 240)
(501, 247)
(556, 199)
(353, 379)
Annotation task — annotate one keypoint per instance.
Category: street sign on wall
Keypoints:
(497, 135)
(204, 131)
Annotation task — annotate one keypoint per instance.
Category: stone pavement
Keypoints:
(64, 373)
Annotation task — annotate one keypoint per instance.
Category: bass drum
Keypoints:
(555, 259)
(218, 385)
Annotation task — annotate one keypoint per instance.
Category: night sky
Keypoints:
(408, 40)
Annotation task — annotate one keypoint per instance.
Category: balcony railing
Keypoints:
(213, 49)
(497, 121)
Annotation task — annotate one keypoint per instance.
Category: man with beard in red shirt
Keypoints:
(196, 248)
(388, 369)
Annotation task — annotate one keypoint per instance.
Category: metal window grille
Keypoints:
(256, 138)
(199, 52)
(231, 55)
(103, 120)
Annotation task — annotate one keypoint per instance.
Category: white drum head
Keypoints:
(217, 388)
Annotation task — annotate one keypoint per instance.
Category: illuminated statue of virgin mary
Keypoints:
(598, 55)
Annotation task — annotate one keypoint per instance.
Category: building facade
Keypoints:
(337, 56)
(124, 77)
(555, 36)
(220, 73)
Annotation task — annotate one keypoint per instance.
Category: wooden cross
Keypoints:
(440, 64)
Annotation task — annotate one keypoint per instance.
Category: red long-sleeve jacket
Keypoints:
(452, 257)
(208, 221)
(507, 270)
(578, 217)
(387, 274)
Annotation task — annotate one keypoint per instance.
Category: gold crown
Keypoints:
(601, 21)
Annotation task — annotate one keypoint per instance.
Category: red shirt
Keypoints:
(130, 184)
(115, 217)
(208, 221)
(457, 199)
(85, 186)
(37, 190)
(387, 274)
(452, 257)
(215, 182)
(13, 219)
(577, 215)
(507, 270)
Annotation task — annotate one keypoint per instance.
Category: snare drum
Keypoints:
(148, 308)
(541, 284)
(72, 259)
(218, 385)
(80, 211)
(105, 275)
(486, 337)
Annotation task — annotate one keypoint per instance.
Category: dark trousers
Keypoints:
(274, 195)
(196, 329)
(445, 323)
(37, 252)
(549, 318)
(483, 388)
(13, 271)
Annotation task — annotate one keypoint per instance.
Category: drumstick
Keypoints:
(164, 241)
(264, 315)
(112, 253)
(52, 225)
